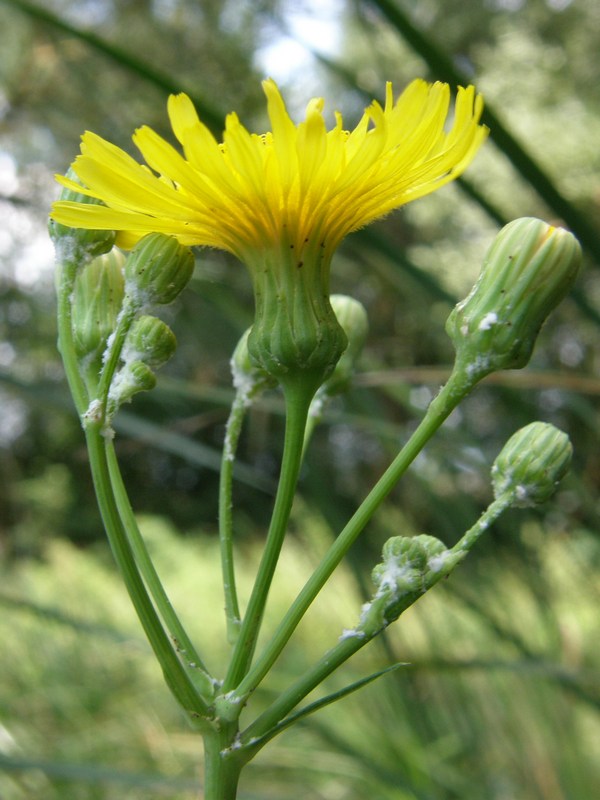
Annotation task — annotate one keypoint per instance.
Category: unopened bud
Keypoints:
(352, 316)
(78, 244)
(132, 377)
(410, 566)
(528, 270)
(248, 379)
(157, 269)
(532, 463)
(97, 300)
(149, 340)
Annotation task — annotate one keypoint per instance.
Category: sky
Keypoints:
(311, 25)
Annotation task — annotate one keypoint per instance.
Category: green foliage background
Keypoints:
(502, 698)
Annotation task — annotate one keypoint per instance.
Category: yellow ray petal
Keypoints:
(257, 192)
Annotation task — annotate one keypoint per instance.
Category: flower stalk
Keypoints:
(72, 257)
(297, 399)
(282, 202)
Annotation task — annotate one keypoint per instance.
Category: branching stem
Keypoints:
(440, 408)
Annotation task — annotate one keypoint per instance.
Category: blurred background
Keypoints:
(501, 698)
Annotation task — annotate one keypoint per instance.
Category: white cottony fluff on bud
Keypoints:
(410, 566)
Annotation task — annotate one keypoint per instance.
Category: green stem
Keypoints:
(178, 634)
(176, 677)
(66, 283)
(490, 515)
(113, 352)
(314, 418)
(232, 435)
(440, 408)
(297, 400)
(222, 766)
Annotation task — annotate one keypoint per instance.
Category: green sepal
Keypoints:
(248, 379)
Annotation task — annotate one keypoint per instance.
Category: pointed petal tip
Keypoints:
(271, 90)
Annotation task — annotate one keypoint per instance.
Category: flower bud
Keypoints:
(78, 244)
(532, 463)
(133, 377)
(149, 340)
(157, 269)
(528, 270)
(410, 566)
(248, 379)
(97, 300)
(352, 317)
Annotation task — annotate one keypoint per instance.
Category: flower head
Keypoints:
(281, 201)
(299, 182)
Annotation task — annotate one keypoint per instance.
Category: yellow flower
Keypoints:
(294, 185)
(281, 201)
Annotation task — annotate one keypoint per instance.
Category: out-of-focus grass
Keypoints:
(500, 698)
